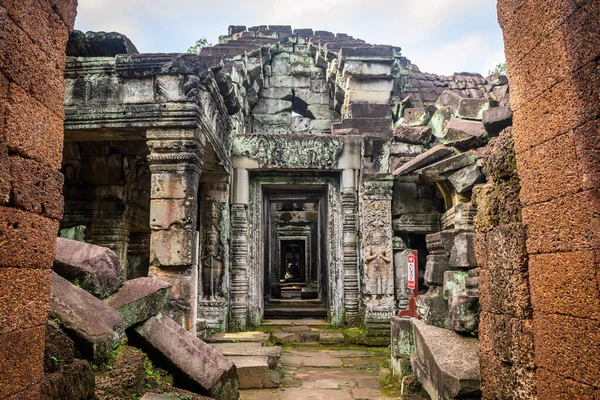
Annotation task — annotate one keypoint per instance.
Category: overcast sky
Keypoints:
(440, 36)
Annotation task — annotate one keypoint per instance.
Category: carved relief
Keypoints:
(281, 151)
(378, 253)
(212, 251)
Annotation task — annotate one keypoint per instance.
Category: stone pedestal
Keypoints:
(175, 164)
(377, 253)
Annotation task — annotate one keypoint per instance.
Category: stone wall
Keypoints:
(33, 37)
(552, 50)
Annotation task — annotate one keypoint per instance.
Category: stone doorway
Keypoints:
(295, 272)
(301, 213)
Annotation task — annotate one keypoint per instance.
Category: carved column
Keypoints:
(351, 278)
(214, 259)
(377, 253)
(239, 252)
(175, 165)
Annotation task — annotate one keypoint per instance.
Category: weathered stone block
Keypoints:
(165, 213)
(280, 81)
(253, 372)
(94, 268)
(496, 119)
(463, 134)
(430, 156)
(446, 363)
(95, 328)
(196, 364)
(448, 99)
(29, 239)
(455, 283)
(139, 299)
(415, 135)
(58, 347)
(463, 251)
(505, 291)
(474, 108)
(272, 106)
(435, 268)
(416, 117)
(464, 179)
(406, 149)
(510, 339)
(433, 307)
(440, 170)
(174, 247)
(26, 290)
(463, 313)
(497, 204)
(440, 119)
(403, 338)
(167, 185)
(74, 381)
(321, 111)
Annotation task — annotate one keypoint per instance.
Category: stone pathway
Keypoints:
(311, 372)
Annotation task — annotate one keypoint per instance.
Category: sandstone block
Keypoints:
(403, 337)
(196, 364)
(463, 313)
(94, 268)
(463, 134)
(440, 119)
(434, 154)
(254, 373)
(448, 99)
(416, 117)
(440, 170)
(464, 179)
(455, 283)
(414, 135)
(463, 251)
(272, 106)
(99, 44)
(273, 353)
(433, 308)
(474, 108)
(496, 119)
(435, 268)
(139, 299)
(95, 328)
(321, 111)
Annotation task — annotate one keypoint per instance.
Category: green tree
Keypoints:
(200, 43)
(501, 68)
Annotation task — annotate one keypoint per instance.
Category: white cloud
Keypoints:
(415, 25)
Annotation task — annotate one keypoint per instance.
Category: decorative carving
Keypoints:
(239, 267)
(351, 289)
(282, 151)
(212, 250)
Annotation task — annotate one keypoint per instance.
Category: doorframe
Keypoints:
(329, 183)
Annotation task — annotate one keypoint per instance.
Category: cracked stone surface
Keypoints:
(314, 372)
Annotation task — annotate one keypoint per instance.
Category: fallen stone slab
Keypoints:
(235, 337)
(197, 366)
(412, 134)
(448, 99)
(139, 299)
(95, 328)
(254, 372)
(430, 156)
(440, 170)
(273, 353)
(93, 268)
(464, 179)
(463, 134)
(446, 364)
(99, 44)
(496, 119)
(474, 108)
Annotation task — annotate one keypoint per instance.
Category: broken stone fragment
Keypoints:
(139, 299)
(474, 108)
(413, 135)
(94, 268)
(430, 156)
(496, 119)
(463, 180)
(99, 44)
(416, 117)
(197, 366)
(95, 328)
(448, 99)
(435, 268)
(433, 308)
(463, 134)
(440, 170)
(463, 313)
(440, 119)
(463, 251)
(254, 373)
(497, 80)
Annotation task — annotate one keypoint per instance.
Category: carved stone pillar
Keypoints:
(239, 252)
(377, 253)
(175, 165)
(351, 278)
(214, 259)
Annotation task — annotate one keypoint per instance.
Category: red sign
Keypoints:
(412, 265)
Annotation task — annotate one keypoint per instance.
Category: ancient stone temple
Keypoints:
(290, 173)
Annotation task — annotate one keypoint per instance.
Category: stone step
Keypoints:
(294, 303)
(239, 337)
(254, 373)
(446, 363)
(294, 313)
(273, 353)
(331, 338)
(296, 322)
